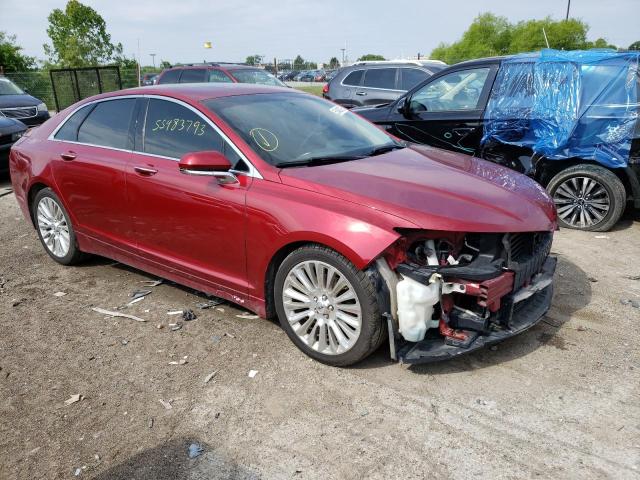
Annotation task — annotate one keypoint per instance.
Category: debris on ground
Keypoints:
(188, 315)
(632, 277)
(208, 378)
(216, 338)
(628, 301)
(166, 404)
(581, 328)
(152, 283)
(252, 373)
(151, 422)
(175, 326)
(175, 312)
(140, 294)
(593, 279)
(247, 316)
(214, 302)
(602, 237)
(4, 194)
(195, 450)
(230, 335)
(73, 399)
(59, 294)
(179, 362)
(124, 342)
(117, 314)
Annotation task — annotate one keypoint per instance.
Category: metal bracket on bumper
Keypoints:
(529, 305)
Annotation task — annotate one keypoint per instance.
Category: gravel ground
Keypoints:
(560, 401)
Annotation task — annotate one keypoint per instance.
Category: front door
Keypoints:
(447, 111)
(191, 225)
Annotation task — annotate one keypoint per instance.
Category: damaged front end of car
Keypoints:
(445, 294)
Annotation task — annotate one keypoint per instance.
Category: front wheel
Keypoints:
(588, 197)
(327, 306)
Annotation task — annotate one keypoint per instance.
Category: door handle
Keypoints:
(68, 156)
(145, 171)
(362, 94)
(463, 131)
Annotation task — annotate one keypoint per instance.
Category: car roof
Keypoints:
(212, 66)
(199, 91)
(479, 61)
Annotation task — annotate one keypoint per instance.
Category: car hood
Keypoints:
(435, 190)
(11, 125)
(25, 100)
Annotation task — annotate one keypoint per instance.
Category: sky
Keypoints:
(176, 30)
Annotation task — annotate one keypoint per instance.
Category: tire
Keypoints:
(567, 188)
(50, 217)
(344, 342)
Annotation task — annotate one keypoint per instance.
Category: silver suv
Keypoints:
(373, 83)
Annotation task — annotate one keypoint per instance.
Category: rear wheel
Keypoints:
(327, 306)
(588, 197)
(54, 228)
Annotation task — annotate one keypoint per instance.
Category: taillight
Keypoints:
(325, 89)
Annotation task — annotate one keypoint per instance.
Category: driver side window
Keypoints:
(453, 92)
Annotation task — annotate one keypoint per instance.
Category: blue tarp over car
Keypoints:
(565, 104)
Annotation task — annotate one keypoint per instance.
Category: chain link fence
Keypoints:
(38, 83)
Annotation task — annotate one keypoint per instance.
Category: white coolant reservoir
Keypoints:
(415, 307)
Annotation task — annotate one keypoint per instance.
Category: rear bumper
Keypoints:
(527, 307)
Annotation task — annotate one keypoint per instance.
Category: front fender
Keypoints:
(279, 216)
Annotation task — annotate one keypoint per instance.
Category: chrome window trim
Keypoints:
(253, 171)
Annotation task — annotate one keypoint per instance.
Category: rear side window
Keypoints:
(108, 124)
(171, 130)
(194, 75)
(380, 78)
(170, 76)
(354, 78)
(69, 131)
(218, 76)
(412, 77)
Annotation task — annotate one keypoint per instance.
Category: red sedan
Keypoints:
(293, 206)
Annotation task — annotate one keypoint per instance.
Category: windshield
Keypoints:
(256, 76)
(288, 129)
(7, 87)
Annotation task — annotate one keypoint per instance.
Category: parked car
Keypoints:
(500, 110)
(289, 76)
(307, 76)
(218, 72)
(18, 104)
(319, 76)
(330, 74)
(372, 83)
(10, 131)
(149, 79)
(293, 206)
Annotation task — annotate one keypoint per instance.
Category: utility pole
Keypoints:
(139, 78)
(342, 64)
(153, 59)
(568, 7)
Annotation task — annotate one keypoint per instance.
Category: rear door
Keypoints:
(380, 85)
(446, 112)
(188, 224)
(93, 150)
(194, 75)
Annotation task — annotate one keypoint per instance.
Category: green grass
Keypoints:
(314, 89)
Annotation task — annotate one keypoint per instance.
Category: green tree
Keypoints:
(490, 35)
(370, 57)
(254, 59)
(79, 37)
(165, 64)
(11, 58)
(334, 63)
(635, 45)
(298, 63)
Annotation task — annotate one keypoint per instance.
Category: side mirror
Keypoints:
(209, 163)
(404, 107)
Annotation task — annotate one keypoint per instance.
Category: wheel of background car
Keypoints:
(588, 197)
(327, 306)
(55, 229)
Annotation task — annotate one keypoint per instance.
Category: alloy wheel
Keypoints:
(581, 202)
(322, 307)
(53, 227)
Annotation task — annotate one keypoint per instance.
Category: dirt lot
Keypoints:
(560, 401)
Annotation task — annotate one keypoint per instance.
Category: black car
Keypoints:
(16, 103)
(288, 76)
(10, 131)
(371, 83)
(449, 111)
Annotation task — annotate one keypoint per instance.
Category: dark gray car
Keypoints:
(373, 83)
